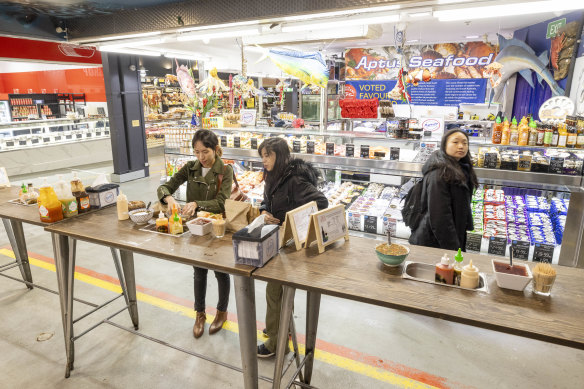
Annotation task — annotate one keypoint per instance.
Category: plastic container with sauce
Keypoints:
(175, 226)
(497, 131)
(122, 207)
(68, 201)
(470, 276)
(50, 209)
(444, 271)
(80, 194)
(458, 258)
(506, 133)
(523, 131)
(514, 133)
(162, 223)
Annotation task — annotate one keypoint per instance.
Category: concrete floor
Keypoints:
(362, 346)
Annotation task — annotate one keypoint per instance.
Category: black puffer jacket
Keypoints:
(296, 187)
(448, 213)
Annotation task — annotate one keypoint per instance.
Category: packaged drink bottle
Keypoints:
(514, 137)
(497, 131)
(68, 201)
(506, 133)
(50, 208)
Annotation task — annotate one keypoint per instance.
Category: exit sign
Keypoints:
(553, 27)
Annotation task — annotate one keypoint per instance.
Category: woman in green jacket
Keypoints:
(208, 186)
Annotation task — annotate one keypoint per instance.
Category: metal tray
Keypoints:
(152, 228)
(425, 272)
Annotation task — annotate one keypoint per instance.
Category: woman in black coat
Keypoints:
(448, 184)
(290, 183)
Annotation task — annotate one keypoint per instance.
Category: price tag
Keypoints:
(88, 135)
(107, 133)
(364, 151)
(379, 155)
(34, 141)
(330, 148)
(557, 165)
(497, 246)
(474, 242)
(350, 150)
(223, 141)
(22, 143)
(46, 140)
(9, 144)
(98, 133)
(520, 249)
(524, 163)
(79, 136)
(296, 146)
(310, 147)
(490, 161)
(58, 138)
(254, 143)
(370, 224)
(236, 142)
(543, 253)
(394, 153)
(68, 136)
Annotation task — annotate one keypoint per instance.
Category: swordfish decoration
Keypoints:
(516, 56)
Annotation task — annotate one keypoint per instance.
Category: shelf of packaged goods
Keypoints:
(50, 122)
(300, 132)
(545, 181)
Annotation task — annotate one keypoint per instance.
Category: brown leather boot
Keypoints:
(199, 326)
(217, 324)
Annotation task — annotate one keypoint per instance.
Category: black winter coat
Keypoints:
(296, 187)
(448, 213)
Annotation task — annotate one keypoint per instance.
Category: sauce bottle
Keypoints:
(497, 131)
(470, 276)
(540, 134)
(444, 271)
(580, 137)
(523, 131)
(122, 206)
(23, 193)
(458, 258)
(506, 133)
(555, 136)
(548, 133)
(514, 136)
(68, 201)
(175, 226)
(572, 137)
(563, 137)
(50, 209)
(80, 194)
(162, 223)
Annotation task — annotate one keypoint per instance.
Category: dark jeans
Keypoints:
(201, 289)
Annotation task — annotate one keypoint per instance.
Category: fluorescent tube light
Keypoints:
(122, 50)
(340, 23)
(217, 26)
(338, 32)
(413, 41)
(472, 37)
(188, 57)
(129, 36)
(502, 10)
(218, 35)
(341, 13)
(450, 1)
(134, 43)
(420, 14)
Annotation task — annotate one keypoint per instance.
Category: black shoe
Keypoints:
(263, 352)
(265, 332)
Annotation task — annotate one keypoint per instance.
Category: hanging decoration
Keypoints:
(309, 67)
(212, 84)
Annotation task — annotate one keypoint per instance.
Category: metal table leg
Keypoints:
(282, 344)
(129, 280)
(312, 311)
(246, 314)
(15, 234)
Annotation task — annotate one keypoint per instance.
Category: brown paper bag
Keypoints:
(253, 213)
(236, 214)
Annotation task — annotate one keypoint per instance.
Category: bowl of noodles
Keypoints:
(392, 254)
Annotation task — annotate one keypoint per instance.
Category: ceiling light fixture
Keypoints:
(471, 36)
(218, 35)
(503, 10)
(341, 13)
(122, 50)
(130, 36)
(412, 41)
(420, 14)
(218, 26)
(133, 43)
(340, 23)
(187, 57)
(339, 32)
(450, 1)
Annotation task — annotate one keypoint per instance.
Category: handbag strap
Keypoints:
(220, 180)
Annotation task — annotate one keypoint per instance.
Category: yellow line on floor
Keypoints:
(322, 356)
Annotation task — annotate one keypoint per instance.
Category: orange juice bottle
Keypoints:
(50, 209)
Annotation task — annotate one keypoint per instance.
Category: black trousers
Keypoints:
(201, 289)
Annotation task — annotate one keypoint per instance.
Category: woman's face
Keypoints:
(204, 154)
(268, 159)
(457, 145)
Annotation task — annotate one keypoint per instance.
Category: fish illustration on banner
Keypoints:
(309, 67)
(517, 57)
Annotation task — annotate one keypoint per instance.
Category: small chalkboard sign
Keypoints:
(364, 151)
(394, 153)
(22, 143)
(490, 160)
(520, 249)
(254, 143)
(296, 146)
(556, 165)
(46, 140)
(68, 136)
(524, 163)
(57, 138)
(474, 242)
(97, 133)
(223, 141)
(370, 224)
(350, 150)
(310, 147)
(9, 143)
(107, 133)
(543, 253)
(236, 142)
(497, 246)
(79, 136)
(88, 135)
(330, 148)
(34, 141)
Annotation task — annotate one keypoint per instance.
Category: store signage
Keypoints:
(330, 148)
(310, 147)
(34, 141)
(553, 27)
(543, 253)
(364, 151)
(254, 143)
(135, 123)
(370, 224)
(350, 150)
(248, 117)
(394, 153)
(433, 127)
(327, 226)
(22, 143)
(79, 136)
(497, 246)
(556, 165)
(491, 160)
(474, 242)
(296, 146)
(236, 142)
(520, 249)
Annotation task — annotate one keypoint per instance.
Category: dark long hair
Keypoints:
(209, 140)
(280, 147)
(453, 169)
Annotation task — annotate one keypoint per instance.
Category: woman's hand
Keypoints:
(189, 209)
(171, 202)
(269, 218)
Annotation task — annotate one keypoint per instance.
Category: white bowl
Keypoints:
(512, 281)
(200, 229)
(141, 215)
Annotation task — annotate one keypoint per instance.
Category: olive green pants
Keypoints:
(274, 293)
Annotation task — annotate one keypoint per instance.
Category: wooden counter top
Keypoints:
(103, 228)
(352, 270)
(7, 194)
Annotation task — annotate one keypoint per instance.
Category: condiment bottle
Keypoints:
(162, 223)
(444, 271)
(506, 133)
(548, 133)
(563, 137)
(175, 226)
(514, 133)
(497, 131)
(50, 209)
(523, 131)
(458, 258)
(68, 201)
(533, 134)
(572, 137)
(23, 193)
(555, 136)
(122, 206)
(540, 134)
(470, 276)
(80, 194)
(580, 137)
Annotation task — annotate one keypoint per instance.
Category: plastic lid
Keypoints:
(122, 196)
(514, 121)
(445, 260)
(470, 268)
(458, 257)
(498, 120)
(506, 120)
(532, 124)
(45, 183)
(161, 215)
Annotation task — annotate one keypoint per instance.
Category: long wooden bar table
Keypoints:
(103, 228)
(351, 270)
